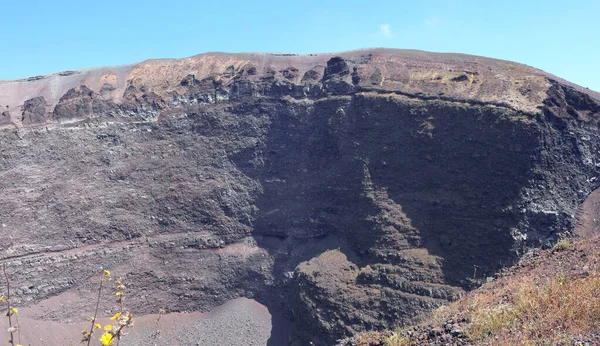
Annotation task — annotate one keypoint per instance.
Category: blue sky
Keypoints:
(38, 37)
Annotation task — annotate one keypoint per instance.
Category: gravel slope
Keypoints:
(239, 321)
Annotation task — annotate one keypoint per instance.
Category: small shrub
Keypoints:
(562, 244)
(398, 340)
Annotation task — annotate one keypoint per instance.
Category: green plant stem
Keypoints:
(96, 310)
(18, 328)
(8, 313)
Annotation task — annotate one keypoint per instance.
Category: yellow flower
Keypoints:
(108, 327)
(118, 294)
(97, 325)
(117, 315)
(1, 298)
(106, 339)
(15, 310)
(106, 272)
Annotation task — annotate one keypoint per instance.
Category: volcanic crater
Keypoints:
(321, 195)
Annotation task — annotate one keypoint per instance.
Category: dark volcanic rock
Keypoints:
(348, 200)
(335, 78)
(336, 66)
(290, 73)
(34, 111)
(5, 117)
(376, 78)
(311, 76)
(77, 103)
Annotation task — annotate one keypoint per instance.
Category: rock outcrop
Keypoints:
(350, 191)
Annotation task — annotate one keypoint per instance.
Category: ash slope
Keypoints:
(351, 191)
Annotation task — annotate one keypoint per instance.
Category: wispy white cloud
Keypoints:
(432, 22)
(385, 30)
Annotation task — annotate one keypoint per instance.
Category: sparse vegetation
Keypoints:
(551, 299)
(115, 331)
(531, 312)
(10, 313)
(157, 333)
(562, 244)
(397, 340)
(122, 319)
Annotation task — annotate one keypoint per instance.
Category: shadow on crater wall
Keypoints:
(376, 177)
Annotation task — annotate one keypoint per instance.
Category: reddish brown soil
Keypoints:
(237, 322)
(588, 216)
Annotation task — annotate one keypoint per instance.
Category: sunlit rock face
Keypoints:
(348, 192)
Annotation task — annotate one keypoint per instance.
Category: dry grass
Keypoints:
(534, 314)
(545, 302)
(549, 299)
(398, 340)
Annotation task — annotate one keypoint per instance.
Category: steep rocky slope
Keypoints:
(348, 191)
(550, 297)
